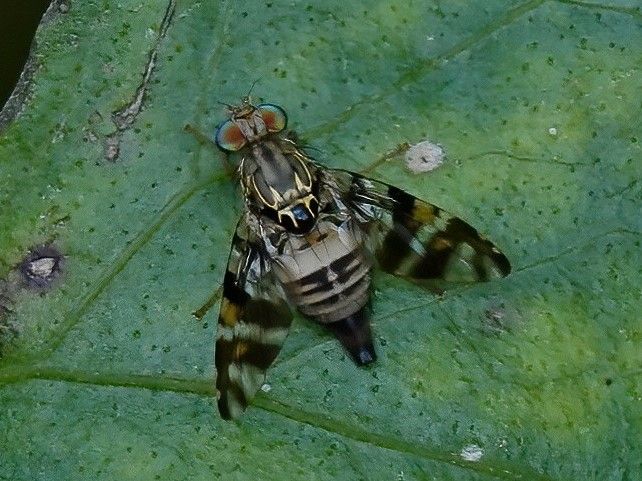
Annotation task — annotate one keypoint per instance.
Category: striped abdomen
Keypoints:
(326, 273)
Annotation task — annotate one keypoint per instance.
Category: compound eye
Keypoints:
(274, 117)
(229, 137)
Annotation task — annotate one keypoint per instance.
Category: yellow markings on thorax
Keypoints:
(314, 236)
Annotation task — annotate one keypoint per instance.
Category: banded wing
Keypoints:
(416, 239)
(254, 321)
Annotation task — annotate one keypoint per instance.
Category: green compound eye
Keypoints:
(229, 137)
(274, 117)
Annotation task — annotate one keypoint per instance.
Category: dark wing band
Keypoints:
(254, 321)
(414, 238)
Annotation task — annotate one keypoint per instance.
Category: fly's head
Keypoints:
(249, 124)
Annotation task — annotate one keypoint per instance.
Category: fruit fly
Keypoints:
(309, 238)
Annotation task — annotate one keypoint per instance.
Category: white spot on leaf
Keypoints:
(42, 267)
(424, 157)
(471, 452)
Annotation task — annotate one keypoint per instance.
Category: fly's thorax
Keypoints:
(281, 183)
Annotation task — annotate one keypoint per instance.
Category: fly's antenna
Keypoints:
(230, 107)
(246, 98)
(251, 88)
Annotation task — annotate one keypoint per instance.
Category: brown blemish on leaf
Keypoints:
(112, 147)
(125, 117)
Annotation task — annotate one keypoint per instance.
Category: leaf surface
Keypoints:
(537, 376)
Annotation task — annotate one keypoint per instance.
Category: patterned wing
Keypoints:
(416, 239)
(254, 321)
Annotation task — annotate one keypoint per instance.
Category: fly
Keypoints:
(309, 238)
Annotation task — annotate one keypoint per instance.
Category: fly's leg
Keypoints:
(398, 150)
(199, 313)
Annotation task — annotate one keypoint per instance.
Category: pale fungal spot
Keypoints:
(495, 314)
(552, 131)
(424, 157)
(266, 387)
(500, 318)
(41, 266)
(59, 133)
(89, 136)
(471, 452)
(112, 147)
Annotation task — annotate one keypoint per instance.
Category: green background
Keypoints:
(107, 375)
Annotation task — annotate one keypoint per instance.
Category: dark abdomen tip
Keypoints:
(356, 337)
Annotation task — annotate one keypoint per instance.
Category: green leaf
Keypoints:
(106, 374)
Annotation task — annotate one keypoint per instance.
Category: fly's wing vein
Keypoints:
(413, 238)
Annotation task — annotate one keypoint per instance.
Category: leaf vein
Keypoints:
(632, 11)
(412, 74)
(143, 237)
(497, 468)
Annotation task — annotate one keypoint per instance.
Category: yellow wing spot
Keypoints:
(230, 313)
(423, 213)
(441, 243)
(240, 349)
